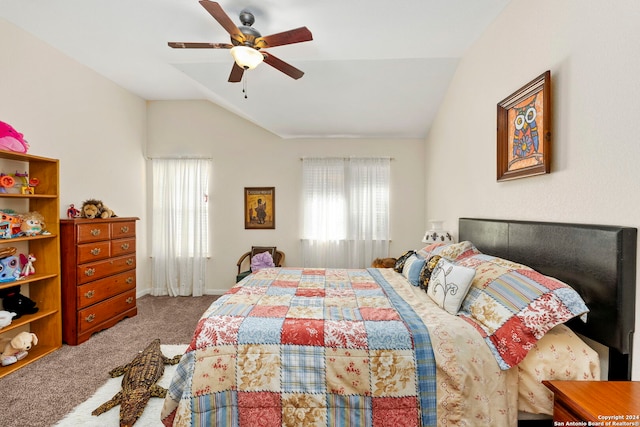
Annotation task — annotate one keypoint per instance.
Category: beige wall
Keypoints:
(67, 111)
(245, 155)
(593, 51)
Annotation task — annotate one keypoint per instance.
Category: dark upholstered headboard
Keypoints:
(598, 261)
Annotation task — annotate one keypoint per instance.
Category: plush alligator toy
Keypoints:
(138, 383)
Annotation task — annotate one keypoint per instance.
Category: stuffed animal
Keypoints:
(17, 348)
(5, 318)
(32, 224)
(26, 261)
(11, 139)
(383, 263)
(13, 300)
(95, 209)
(9, 268)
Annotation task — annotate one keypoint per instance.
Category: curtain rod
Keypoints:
(178, 158)
(349, 158)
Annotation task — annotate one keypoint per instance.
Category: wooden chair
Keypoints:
(278, 259)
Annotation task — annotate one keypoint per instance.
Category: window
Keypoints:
(180, 225)
(346, 211)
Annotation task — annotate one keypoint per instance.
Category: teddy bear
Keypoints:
(11, 139)
(17, 348)
(95, 209)
(14, 301)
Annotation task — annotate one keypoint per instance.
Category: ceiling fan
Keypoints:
(247, 42)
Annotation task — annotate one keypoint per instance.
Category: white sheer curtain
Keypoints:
(180, 226)
(346, 211)
(368, 224)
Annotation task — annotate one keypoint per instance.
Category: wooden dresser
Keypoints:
(98, 275)
(595, 403)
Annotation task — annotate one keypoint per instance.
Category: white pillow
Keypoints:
(449, 285)
(411, 270)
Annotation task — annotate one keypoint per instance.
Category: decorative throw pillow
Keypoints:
(451, 251)
(403, 258)
(425, 273)
(513, 306)
(412, 268)
(449, 285)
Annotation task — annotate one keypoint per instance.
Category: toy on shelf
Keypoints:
(17, 348)
(11, 139)
(5, 318)
(28, 185)
(9, 265)
(10, 223)
(27, 265)
(32, 224)
(6, 181)
(96, 209)
(14, 301)
(9, 269)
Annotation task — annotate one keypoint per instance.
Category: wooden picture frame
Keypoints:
(259, 208)
(524, 131)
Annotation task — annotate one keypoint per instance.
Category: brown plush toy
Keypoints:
(93, 208)
(383, 263)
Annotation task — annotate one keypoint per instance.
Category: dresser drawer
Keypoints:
(102, 289)
(123, 229)
(93, 232)
(97, 270)
(95, 251)
(123, 246)
(92, 316)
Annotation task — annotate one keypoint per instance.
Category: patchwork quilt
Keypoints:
(307, 347)
(332, 347)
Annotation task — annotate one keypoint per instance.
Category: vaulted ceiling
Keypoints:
(374, 69)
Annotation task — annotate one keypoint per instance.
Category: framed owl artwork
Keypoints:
(524, 130)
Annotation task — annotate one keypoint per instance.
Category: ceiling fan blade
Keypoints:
(280, 65)
(236, 73)
(189, 45)
(223, 19)
(297, 35)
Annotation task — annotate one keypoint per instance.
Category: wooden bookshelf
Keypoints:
(44, 286)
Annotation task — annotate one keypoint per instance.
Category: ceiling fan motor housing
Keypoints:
(246, 28)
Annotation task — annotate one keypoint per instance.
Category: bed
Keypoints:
(335, 347)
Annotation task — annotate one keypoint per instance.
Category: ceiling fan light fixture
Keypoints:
(246, 57)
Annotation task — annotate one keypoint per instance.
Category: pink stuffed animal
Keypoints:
(11, 139)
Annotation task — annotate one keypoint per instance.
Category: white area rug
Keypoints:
(81, 415)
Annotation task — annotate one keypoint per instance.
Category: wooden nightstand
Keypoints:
(602, 403)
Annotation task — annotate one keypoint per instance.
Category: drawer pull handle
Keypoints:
(90, 272)
(95, 232)
(124, 229)
(129, 300)
(129, 261)
(129, 280)
(95, 251)
(90, 294)
(124, 246)
(90, 318)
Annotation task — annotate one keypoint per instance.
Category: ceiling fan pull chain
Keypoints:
(244, 85)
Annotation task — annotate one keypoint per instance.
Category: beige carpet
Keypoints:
(81, 415)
